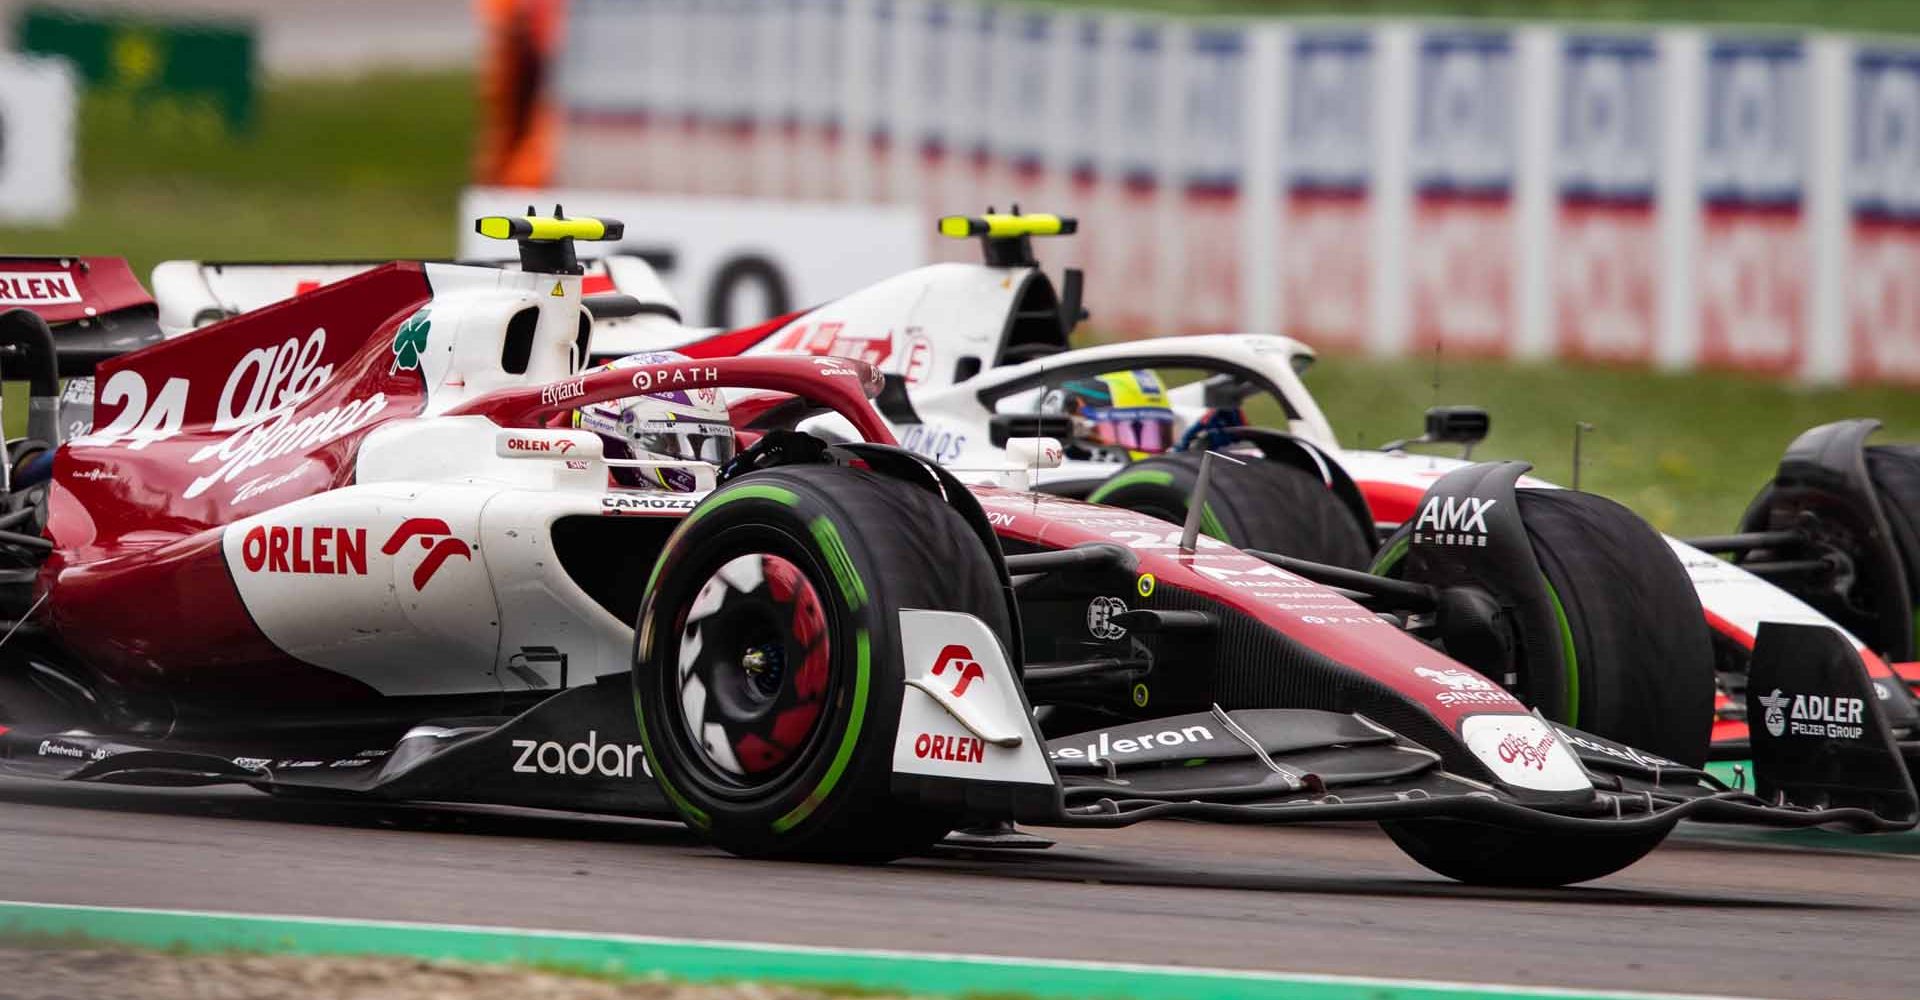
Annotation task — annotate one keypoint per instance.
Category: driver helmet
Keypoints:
(1126, 410)
(679, 425)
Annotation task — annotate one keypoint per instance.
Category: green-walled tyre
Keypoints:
(768, 672)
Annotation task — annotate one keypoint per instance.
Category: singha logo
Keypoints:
(1458, 680)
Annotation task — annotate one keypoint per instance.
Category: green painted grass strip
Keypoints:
(708, 961)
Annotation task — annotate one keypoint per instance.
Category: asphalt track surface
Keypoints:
(1691, 918)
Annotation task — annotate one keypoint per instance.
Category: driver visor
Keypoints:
(1135, 428)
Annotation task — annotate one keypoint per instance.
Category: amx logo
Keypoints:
(1453, 521)
(965, 666)
(436, 537)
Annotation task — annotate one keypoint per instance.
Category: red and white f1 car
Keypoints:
(979, 354)
(350, 544)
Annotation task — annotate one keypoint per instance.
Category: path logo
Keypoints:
(965, 667)
(409, 341)
(436, 537)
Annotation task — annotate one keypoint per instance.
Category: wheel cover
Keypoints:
(754, 669)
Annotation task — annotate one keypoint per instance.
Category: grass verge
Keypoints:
(370, 167)
(1685, 451)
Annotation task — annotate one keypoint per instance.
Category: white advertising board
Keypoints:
(1675, 197)
(36, 140)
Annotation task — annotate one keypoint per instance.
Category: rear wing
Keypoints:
(60, 317)
(193, 293)
(93, 307)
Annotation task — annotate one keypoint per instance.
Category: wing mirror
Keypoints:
(1465, 426)
(1004, 427)
(1462, 425)
(1226, 392)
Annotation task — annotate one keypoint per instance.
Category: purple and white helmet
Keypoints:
(682, 425)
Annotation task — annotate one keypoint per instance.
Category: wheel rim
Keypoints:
(754, 673)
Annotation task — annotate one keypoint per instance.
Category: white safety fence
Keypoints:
(37, 105)
(1728, 198)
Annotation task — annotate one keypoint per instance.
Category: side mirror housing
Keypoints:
(1004, 427)
(1226, 392)
(1035, 453)
(1462, 425)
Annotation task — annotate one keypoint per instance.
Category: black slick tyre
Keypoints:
(1894, 470)
(1639, 654)
(1262, 505)
(768, 673)
(1862, 599)
(1480, 854)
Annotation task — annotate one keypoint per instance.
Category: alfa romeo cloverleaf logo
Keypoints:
(408, 342)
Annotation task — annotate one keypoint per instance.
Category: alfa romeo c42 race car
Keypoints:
(977, 354)
(353, 544)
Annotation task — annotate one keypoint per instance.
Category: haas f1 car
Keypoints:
(357, 544)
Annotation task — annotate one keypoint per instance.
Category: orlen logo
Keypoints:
(966, 668)
(1453, 521)
(436, 537)
(313, 550)
(958, 749)
(38, 288)
(540, 445)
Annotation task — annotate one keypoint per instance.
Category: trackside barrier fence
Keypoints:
(1725, 197)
